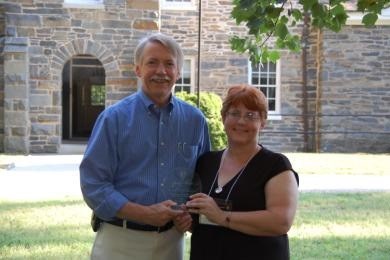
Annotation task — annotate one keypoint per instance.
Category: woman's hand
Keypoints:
(201, 203)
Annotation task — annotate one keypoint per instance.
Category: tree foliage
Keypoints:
(273, 18)
(210, 104)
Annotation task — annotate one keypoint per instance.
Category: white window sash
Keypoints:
(177, 5)
(192, 72)
(95, 4)
(274, 114)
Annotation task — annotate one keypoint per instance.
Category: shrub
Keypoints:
(210, 104)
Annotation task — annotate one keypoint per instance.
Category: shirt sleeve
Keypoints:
(205, 147)
(282, 164)
(98, 167)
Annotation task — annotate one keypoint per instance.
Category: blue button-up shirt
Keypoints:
(143, 154)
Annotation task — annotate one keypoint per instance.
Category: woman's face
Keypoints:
(242, 125)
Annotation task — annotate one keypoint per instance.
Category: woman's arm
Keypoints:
(281, 194)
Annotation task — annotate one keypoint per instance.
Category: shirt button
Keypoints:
(162, 164)
(162, 143)
(161, 123)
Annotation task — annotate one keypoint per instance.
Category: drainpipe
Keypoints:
(305, 35)
(199, 39)
(318, 91)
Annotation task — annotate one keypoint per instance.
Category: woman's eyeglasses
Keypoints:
(248, 117)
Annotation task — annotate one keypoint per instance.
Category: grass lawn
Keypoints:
(341, 163)
(327, 225)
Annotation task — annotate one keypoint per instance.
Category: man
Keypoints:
(139, 152)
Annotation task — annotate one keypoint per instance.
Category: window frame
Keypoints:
(355, 18)
(87, 4)
(192, 74)
(274, 114)
(169, 5)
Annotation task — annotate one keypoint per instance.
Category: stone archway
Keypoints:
(77, 48)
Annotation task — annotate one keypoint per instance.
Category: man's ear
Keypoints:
(137, 71)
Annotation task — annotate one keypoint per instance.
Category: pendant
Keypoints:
(218, 189)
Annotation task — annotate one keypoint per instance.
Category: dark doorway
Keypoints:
(83, 96)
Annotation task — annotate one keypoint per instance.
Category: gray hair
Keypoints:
(166, 41)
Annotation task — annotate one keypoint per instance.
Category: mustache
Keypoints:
(161, 78)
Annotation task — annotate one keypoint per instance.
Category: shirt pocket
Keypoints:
(186, 154)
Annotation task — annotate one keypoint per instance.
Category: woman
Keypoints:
(249, 193)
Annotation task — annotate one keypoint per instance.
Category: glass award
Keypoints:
(180, 184)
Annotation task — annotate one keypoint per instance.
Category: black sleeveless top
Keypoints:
(248, 194)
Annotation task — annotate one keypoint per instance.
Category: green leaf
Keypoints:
(254, 25)
(297, 14)
(273, 12)
(283, 19)
(242, 14)
(318, 11)
(307, 4)
(274, 55)
(337, 10)
(369, 19)
(237, 44)
(281, 30)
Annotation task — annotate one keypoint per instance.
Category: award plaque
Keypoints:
(179, 185)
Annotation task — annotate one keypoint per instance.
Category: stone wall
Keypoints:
(55, 34)
(356, 90)
(345, 107)
(2, 38)
(221, 67)
(342, 108)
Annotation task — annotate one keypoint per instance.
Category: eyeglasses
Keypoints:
(248, 117)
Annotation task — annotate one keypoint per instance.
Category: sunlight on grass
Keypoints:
(45, 230)
(346, 230)
(311, 163)
(327, 226)
(341, 226)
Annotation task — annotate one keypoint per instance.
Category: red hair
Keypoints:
(252, 98)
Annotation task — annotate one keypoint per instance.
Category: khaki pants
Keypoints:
(116, 243)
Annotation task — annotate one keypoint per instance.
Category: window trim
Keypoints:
(85, 4)
(178, 5)
(272, 115)
(192, 73)
(355, 18)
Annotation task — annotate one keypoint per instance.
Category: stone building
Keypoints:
(63, 61)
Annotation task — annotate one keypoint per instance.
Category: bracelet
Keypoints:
(227, 219)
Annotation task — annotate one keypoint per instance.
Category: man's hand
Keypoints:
(183, 221)
(161, 213)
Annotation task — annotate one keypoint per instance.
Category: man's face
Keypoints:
(158, 71)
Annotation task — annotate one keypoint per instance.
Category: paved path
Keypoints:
(36, 177)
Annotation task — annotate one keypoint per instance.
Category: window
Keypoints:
(97, 4)
(98, 95)
(266, 78)
(178, 4)
(355, 18)
(186, 80)
(386, 12)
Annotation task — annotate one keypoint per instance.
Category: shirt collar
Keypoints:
(149, 103)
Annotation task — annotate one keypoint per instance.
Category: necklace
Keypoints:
(219, 188)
